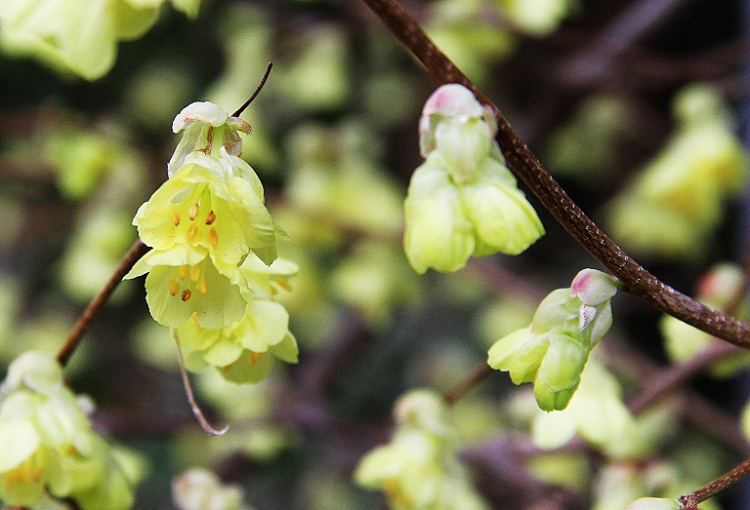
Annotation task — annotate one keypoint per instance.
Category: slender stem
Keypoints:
(131, 257)
(462, 388)
(257, 91)
(691, 501)
(637, 280)
(676, 375)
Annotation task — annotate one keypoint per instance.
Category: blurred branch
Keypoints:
(638, 281)
(131, 257)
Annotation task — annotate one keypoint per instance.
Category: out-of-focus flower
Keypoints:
(47, 446)
(419, 469)
(80, 38)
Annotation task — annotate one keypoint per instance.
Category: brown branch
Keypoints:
(691, 501)
(660, 385)
(525, 165)
(136, 252)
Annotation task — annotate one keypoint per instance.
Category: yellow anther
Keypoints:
(173, 287)
(193, 211)
(202, 286)
(283, 283)
(182, 271)
(211, 217)
(213, 237)
(195, 273)
(192, 233)
(175, 218)
(255, 357)
(186, 294)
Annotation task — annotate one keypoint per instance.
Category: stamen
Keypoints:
(254, 358)
(173, 287)
(193, 211)
(175, 218)
(195, 273)
(283, 283)
(213, 237)
(211, 217)
(192, 233)
(182, 271)
(186, 294)
(202, 286)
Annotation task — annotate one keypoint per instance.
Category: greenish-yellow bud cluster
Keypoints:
(554, 349)
(462, 200)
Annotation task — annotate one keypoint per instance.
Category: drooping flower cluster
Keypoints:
(213, 269)
(48, 446)
(554, 349)
(687, 184)
(419, 468)
(81, 37)
(198, 489)
(463, 201)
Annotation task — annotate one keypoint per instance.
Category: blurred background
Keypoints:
(637, 107)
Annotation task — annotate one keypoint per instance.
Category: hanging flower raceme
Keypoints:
(554, 349)
(202, 223)
(47, 446)
(463, 201)
(419, 468)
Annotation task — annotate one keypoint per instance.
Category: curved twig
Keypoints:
(131, 257)
(525, 165)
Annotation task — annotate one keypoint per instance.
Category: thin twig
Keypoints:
(638, 281)
(131, 257)
(677, 375)
(463, 387)
(257, 91)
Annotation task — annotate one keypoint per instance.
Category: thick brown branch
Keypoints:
(638, 281)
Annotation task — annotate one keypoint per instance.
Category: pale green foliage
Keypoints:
(553, 350)
(198, 489)
(82, 38)
(537, 17)
(49, 446)
(462, 200)
(460, 28)
(687, 184)
(418, 468)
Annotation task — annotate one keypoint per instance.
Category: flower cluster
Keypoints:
(554, 349)
(198, 489)
(80, 38)
(463, 201)
(419, 468)
(213, 270)
(49, 448)
(686, 185)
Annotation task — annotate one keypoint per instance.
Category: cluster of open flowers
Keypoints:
(213, 270)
